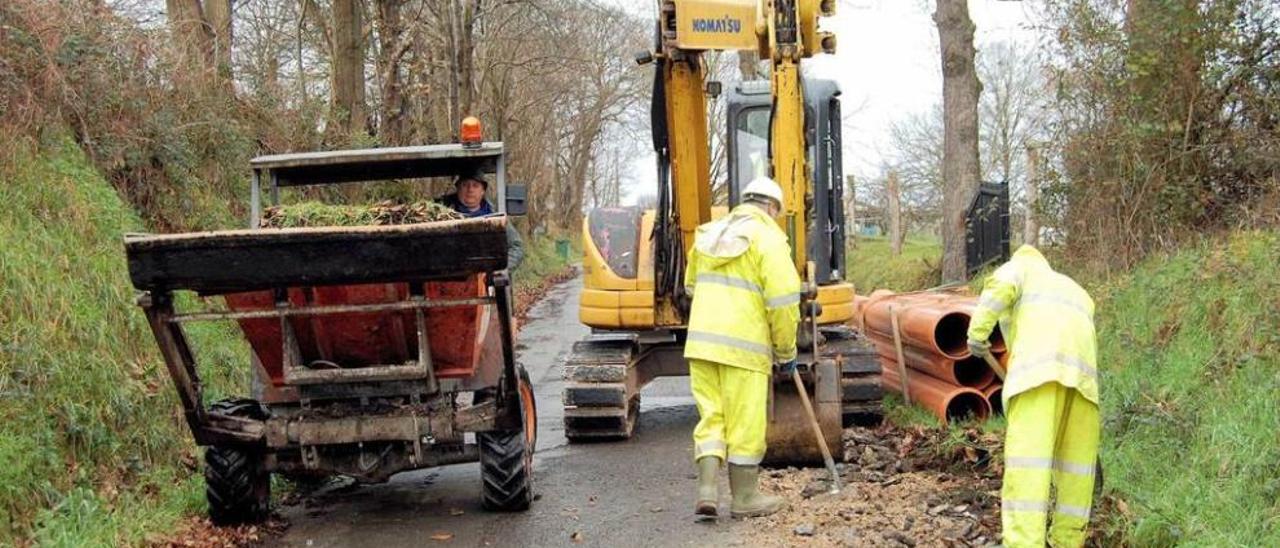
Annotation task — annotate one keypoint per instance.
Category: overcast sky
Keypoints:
(887, 63)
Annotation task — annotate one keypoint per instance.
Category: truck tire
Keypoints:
(506, 458)
(237, 486)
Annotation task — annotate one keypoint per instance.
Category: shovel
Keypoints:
(808, 407)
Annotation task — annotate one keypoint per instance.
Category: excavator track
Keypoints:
(860, 388)
(601, 401)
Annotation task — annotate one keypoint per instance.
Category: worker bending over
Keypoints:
(1050, 397)
(746, 296)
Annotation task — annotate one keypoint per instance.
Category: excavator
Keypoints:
(633, 259)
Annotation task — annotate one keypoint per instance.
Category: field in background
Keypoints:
(872, 266)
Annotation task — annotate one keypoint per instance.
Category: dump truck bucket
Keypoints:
(247, 260)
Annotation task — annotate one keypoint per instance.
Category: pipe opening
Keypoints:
(973, 372)
(996, 340)
(951, 334)
(996, 399)
(967, 405)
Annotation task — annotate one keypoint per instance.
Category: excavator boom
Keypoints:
(634, 297)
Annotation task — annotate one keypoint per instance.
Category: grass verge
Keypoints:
(94, 448)
(1189, 346)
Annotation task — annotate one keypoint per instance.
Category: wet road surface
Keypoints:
(633, 493)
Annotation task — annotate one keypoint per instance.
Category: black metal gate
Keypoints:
(987, 227)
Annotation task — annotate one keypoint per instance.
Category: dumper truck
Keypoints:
(373, 350)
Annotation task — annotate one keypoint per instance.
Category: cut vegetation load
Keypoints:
(375, 349)
(309, 214)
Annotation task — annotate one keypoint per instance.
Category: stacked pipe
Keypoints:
(942, 376)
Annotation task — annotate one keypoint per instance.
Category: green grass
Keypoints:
(872, 265)
(91, 436)
(1189, 347)
(541, 260)
(1189, 352)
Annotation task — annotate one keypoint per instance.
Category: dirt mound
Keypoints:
(903, 487)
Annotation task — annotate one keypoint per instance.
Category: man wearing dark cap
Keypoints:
(469, 200)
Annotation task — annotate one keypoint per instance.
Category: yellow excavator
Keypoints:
(633, 296)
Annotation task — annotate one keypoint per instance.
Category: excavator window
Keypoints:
(751, 140)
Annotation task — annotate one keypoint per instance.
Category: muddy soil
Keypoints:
(902, 487)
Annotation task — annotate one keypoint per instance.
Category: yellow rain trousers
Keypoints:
(732, 410)
(1052, 439)
(746, 296)
(1050, 397)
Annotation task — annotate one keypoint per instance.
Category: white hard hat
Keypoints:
(764, 186)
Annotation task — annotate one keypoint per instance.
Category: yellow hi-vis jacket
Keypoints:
(1047, 322)
(746, 292)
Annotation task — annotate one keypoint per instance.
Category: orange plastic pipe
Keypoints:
(994, 395)
(947, 401)
(936, 326)
(970, 371)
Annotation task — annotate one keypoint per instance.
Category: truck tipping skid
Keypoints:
(342, 408)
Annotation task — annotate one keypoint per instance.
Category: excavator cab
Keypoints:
(747, 111)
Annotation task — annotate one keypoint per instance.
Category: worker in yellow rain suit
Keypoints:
(746, 296)
(1050, 398)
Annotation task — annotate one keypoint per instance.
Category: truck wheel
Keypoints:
(237, 485)
(506, 458)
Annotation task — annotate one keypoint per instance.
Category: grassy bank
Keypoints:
(1189, 346)
(91, 438)
(1189, 349)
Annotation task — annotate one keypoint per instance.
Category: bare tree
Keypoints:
(202, 32)
(960, 166)
(1031, 224)
(348, 81)
(894, 201)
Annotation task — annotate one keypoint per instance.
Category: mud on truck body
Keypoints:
(374, 349)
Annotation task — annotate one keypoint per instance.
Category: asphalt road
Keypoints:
(633, 493)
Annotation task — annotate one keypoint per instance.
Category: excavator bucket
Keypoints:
(845, 389)
(790, 436)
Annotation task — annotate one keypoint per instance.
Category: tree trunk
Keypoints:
(347, 107)
(191, 35)
(960, 167)
(218, 15)
(893, 193)
(391, 49)
(749, 65)
(1031, 224)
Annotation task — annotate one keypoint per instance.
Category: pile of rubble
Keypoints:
(903, 487)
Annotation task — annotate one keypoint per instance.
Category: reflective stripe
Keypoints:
(1049, 298)
(1045, 463)
(711, 446)
(730, 281)
(1073, 511)
(991, 303)
(716, 338)
(1024, 506)
(1056, 359)
(1010, 274)
(745, 460)
(782, 300)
